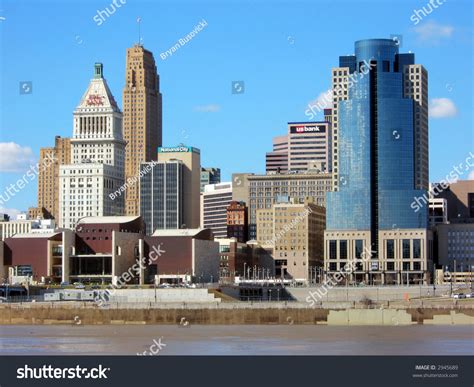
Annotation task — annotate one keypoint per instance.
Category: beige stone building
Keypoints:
(142, 118)
(295, 233)
(416, 88)
(405, 256)
(51, 158)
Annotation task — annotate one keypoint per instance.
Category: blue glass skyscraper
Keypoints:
(379, 153)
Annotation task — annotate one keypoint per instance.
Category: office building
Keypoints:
(455, 246)
(237, 221)
(161, 195)
(87, 185)
(142, 118)
(51, 159)
(214, 202)
(460, 200)
(277, 160)
(295, 234)
(262, 191)
(306, 146)
(191, 158)
(210, 176)
(377, 163)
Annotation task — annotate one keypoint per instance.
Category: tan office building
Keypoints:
(142, 118)
(191, 158)
(262, 191)
(48, 178)
(295, 233)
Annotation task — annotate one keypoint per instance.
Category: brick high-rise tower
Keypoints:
(142, 119)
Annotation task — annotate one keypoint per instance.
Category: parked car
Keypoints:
(3, 299)
(470, 295)
(79, 285)
(164, 285)
(459, 295)
(64, 284)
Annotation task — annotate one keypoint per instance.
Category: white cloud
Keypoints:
(15, 158)
(12, 212)
(212, 108)
(471, 176)
(442, 108)
(434, 32)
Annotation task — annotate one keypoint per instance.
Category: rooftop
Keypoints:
(178, 232)
(44, 235)
(107, 219)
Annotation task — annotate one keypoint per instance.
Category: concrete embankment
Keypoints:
(234, 313)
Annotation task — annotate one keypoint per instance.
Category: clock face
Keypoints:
(95, 100)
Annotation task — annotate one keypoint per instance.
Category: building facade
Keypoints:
(142, 118)
(375, 159)
(237, 221)
(161, 195)
(215, 200)
(295, 233)
(186, 255)
(277, 160)
(191, 158)
(10, 228)
(210, 176)
(86, 186)
(263, 191)
(455, 247)
(306, 146)
(460, 201)
(51, 159)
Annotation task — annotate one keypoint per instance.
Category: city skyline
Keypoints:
(198, 105)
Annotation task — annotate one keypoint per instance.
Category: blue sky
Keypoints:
(282, 50)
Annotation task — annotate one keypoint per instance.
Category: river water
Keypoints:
(165, 340)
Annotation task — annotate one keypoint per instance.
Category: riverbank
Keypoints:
(383, 314)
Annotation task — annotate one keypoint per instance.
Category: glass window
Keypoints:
(343, 249)
(390, 249)
(406, 248)
(416, 248)
(359, 246)
(332, 250)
